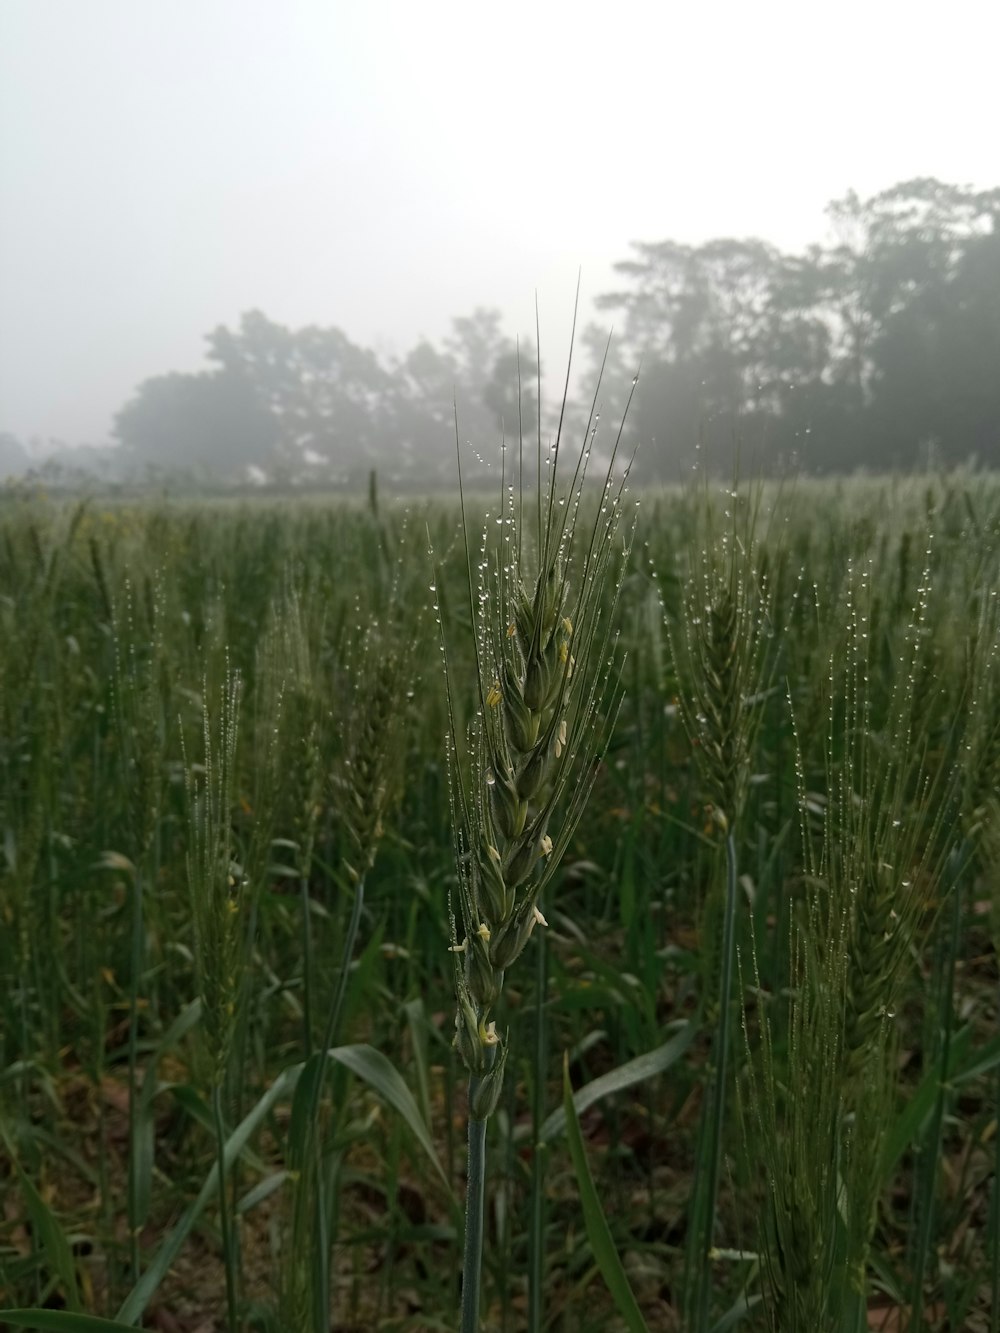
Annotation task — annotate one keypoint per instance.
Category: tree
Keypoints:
(328, 396)
(213, 420)
(424, 409)
(13, 456)
(920, 284)
(726, 334)
(857, 353)
(486, 364)
(310, 404)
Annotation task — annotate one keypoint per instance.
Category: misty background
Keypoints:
(277, 242)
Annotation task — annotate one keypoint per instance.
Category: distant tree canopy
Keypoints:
(310, 403)
(212, 419)
(13, 457)
(877, 350)
(880, 349)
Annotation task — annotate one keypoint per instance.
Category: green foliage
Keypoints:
(875, 350)
(866, 1082)
(524, 769)
(180, 421)
(601, 1241)
(306, 404)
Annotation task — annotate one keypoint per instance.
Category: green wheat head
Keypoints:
(546, 581)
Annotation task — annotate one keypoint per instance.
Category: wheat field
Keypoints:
(627, 867)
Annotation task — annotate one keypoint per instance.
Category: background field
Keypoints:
(874, 610)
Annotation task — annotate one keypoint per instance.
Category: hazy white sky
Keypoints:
(383, 165)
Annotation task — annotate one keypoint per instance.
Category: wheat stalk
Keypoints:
(867, 886)
(375, 674)
(721, 663)
(217, 889)
(521, 776)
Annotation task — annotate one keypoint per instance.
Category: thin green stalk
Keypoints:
(930, 1155)
(224, 1221)
(336, 1008)
(536, 1255)
(475, 1194)
(717, 1105)
(994, 1237)
(520, 777)
(100, 1013)
(306, 969)
(135, 970)
(321, 1274)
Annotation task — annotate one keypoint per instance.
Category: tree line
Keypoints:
(311, 405)
(878, 349)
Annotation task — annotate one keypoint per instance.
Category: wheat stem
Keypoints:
(717, 1105)
(135, 971)
(307, 978)
(336, 1008)
(931, 1147)
(543, 652)
(225, 1225)
(322, 1252)
(994, 1227)
(536, 1255)
(472, 1265)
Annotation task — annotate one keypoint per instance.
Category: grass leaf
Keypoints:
(52, 1237)
(140, 1295)
(62, 1321)
(379, 1073)
(601, 1241)
(625, 1076)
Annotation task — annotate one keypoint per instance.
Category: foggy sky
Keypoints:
(168, 164)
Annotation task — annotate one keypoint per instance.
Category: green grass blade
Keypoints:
(305, 1104)
(416, 1018)
(62, 1321)
(261, 1191)
(188, 1017)
(379, 1073)
(988, 1058)
(599, 1234)
(140, 1295)
(907, 1125)
(625, 1076)
(143, 1157)
(736, 1313)
(53, 1239)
